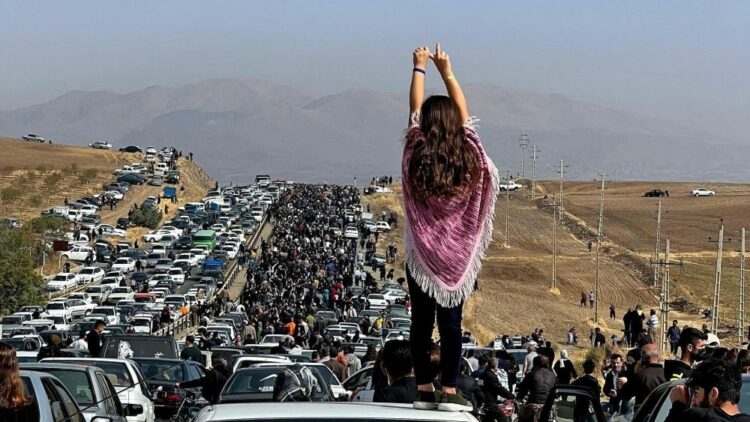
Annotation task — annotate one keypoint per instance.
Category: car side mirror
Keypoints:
(133, 409)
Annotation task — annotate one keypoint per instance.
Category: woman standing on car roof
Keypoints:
(450, 186)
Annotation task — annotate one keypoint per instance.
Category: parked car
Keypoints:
(63, 281)
(123, 223)
(702, 192)
(100, 145)
(126, 379)
(92, 390)
(88, 275)
(108, 230)
(121, 293)
(78, 253)
(33, 138)
(99, 294)
(58, 307)
(156, 181)
(52, 400)
(655, 193)
(132, 178)
(126, 265)
(162, 375)
(131, 148)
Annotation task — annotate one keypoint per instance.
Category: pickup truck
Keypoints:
(509, 186)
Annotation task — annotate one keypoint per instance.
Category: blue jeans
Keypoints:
(423, 312)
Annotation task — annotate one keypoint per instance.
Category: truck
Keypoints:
(509, 185)
(169, 192)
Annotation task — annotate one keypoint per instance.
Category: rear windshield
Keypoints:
(153, 347)
(162, 371)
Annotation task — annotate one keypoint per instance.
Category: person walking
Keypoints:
(653, 324)
(673, 335)
(592, 299)
(537, 385)
(564, 369)
(612, 315)
(584, 297)
(94, 339)
(449, 183)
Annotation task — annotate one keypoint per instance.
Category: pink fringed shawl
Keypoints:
(445, 238)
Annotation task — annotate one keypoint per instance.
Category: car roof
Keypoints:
(61, 366)
(331, 410)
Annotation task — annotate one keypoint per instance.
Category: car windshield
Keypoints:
(256, 380)
(122, 261)
(162, 370)
(143, 322)
(105, 311)
(55, 305)
(376, 297)
(62, 277)
(77, 382)
(120, 290)
(94, 290)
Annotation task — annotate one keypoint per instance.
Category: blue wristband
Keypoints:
(416, 69)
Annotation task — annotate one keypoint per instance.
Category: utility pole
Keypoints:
(555, 207)
(741, 316)
(598, 250)
(656, 248)
(523, 142)
(533, 170)
(562, 176)
(507, 211)
(717, 281)
(665, 299)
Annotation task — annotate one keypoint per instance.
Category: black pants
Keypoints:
(423, 311)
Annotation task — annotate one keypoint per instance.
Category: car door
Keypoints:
(572, 403)
(64, 408)
(111, 401)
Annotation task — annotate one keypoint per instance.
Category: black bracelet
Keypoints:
(417, 69)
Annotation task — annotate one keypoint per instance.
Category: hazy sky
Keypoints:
(687, 61)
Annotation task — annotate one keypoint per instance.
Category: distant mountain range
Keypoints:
(238, 128)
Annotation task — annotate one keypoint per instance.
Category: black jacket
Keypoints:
(643, 382)
(676, 369)
(681, 413)
(94, 340)
(610, 384)
(537, 384)
(589, 382)
(565, 372)
(211, 383)
(491, 388)
(403, 390)
(469, 389)
(20, 414)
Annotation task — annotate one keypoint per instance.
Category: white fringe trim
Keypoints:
(429, 283)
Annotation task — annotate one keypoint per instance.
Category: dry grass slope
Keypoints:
(515, 294)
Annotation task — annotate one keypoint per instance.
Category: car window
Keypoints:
(359, 379)
(194, 372)
(68, 403)
(162, 371)
(110, 400)
(77, 383)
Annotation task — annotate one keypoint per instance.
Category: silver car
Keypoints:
(91, 389)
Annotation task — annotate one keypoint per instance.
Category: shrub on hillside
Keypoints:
(146, 217)
(19, 283)
(10, 194)
(52, 179)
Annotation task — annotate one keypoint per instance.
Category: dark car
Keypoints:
(123, 223)
(103, 252)
(141, 346)
(131, 148)
(140, 277)
(132, 178)
(256, 385)
(655, 193)
(184, 242)
(134, 253)
(164, 374)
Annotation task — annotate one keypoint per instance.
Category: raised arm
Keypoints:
(416, 92)
(443, 64)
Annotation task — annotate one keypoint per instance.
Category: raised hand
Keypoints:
(420, 57)
(442, 61)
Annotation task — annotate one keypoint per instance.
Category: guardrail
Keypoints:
(183, 322)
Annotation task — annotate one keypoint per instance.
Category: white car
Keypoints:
(78, 253)
(85, 297)
(392, 295)
(116, 195)
(88, 275)
(151, 150)
(257, 215)
(231, 251)
(109, 311)
(99, 294)
(58, 307)
(78, 308)
(383, 226)
(87, 209)
(176, 275)
(199, 253)
(351, 233)
(172, 230)
(121, 293)
(127, 381)
(100, 145)
(376, 302)
(63, 281)
(156, 278)
(142, 323)
(108, 230)
(167, 241)
(125, 265)
(33, 138)
(702, 192)
(190, 257)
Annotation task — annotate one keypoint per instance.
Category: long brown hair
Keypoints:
(442, 163)
(12, 393)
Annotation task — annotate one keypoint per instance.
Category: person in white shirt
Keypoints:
(81, 343)
(653, 324)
